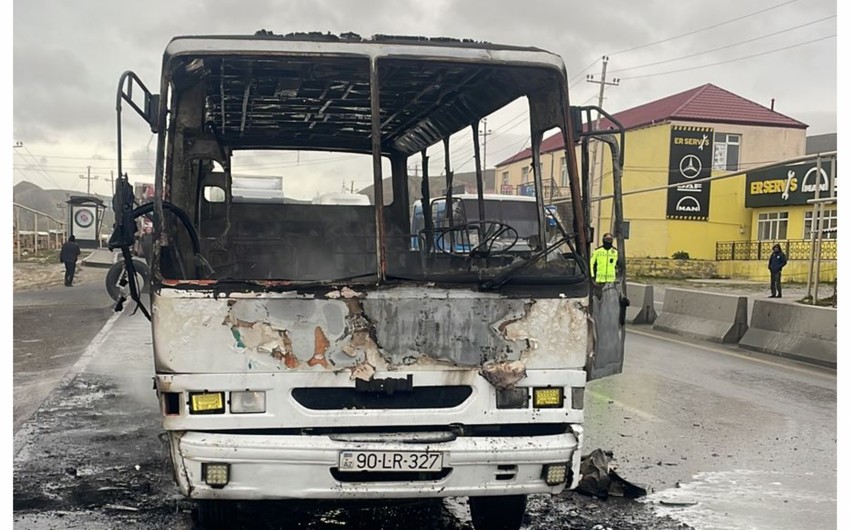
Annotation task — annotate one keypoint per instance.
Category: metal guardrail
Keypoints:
(795, 249)
(32, 240)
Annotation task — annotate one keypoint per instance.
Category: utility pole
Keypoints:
(18, 233)
(484, 133)
(88, 176)
(62, 206)
(602, 83)
(111, 181)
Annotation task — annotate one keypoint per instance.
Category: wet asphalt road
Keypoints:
(724, 439)
(52, 325)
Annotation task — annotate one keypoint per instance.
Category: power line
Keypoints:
(723, 47)
(39, 165)
(732, 60)
(98, 158)
(705, 28)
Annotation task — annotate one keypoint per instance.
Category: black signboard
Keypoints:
(690, 159)
(791, 184)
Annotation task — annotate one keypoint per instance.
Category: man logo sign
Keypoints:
(687, 204)
(810, 188)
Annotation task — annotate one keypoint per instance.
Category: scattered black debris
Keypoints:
(600, 479)
(678, 504)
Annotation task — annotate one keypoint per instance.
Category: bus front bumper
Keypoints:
(306, 467)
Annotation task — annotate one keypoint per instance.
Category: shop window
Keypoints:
(773, 226)
(828, 223)
(727, 151)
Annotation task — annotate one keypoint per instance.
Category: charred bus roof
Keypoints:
(313, 90)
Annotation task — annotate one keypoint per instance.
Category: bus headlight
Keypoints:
(248, 402)
(555, 474)
(216, 475)
(512, 398)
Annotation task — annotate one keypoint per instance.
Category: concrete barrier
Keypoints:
(711, 316)
(642, 304)
(801, 332)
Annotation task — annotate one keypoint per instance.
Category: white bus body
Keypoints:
(306, 351)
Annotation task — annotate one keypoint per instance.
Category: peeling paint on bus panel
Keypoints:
(412, 328)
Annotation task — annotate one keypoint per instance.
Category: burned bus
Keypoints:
(304, 349)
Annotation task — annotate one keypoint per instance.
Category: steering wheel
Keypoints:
(457, 238)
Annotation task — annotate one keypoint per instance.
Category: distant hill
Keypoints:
(52, 203)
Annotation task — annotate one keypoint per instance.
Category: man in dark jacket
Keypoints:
(774, 264)
(68, 255)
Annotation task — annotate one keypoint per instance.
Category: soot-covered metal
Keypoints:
(254, 102)
(365, 333)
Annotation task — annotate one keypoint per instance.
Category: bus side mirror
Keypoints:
(575, 117)
(152, 112)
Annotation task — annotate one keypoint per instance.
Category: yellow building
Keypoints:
(674, 141)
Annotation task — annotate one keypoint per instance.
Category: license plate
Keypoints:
(390, 461)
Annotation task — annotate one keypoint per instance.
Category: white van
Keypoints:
(342, 198)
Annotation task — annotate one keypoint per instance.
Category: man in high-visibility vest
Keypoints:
(603, 262)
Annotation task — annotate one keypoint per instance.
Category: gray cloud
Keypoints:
(68, 56)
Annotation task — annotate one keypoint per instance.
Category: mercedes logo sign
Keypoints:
(690, 166)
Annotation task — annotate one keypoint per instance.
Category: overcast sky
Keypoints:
(68, 57)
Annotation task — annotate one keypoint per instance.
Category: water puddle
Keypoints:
(750, 500)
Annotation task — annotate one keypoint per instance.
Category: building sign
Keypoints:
(84, 219)
(527, 189)
(690, 159)
(506, 189)
(791, 184)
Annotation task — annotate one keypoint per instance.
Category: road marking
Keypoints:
(808, 371)
(628, 408)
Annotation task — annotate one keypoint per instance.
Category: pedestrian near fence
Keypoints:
(775, 264)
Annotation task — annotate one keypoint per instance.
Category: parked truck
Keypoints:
(305, 350)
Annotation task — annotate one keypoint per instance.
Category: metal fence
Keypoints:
(43, 236)
(760, 250)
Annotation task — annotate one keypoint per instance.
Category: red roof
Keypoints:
(706, 103)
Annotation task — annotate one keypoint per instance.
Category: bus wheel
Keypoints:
(217, 515)
(497, 513)
(116, 275)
